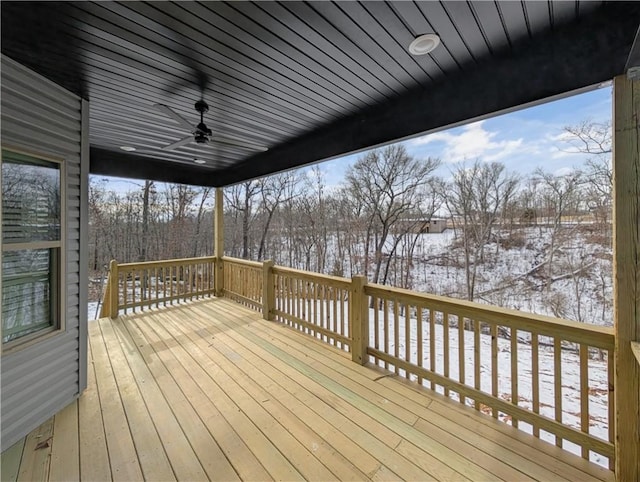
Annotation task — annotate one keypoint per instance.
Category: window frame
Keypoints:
(58, 281)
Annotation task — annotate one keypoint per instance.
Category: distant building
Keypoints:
(422, 226)
(436, 226)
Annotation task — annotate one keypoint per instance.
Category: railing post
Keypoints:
(218, 242)
(218, 278)
(626, 266)
(113, 288)
(105, 310)
(359, 314)
(268, 291)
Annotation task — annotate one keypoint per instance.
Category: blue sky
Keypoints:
(523, 140)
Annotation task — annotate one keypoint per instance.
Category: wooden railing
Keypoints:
(243, 282)
(550, 377)
(313, 303)
(134, 286)
(520, 368)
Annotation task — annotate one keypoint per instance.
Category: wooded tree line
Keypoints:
(372, 222)
(150, 221)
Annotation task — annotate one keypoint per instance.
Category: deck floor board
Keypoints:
(209, 390)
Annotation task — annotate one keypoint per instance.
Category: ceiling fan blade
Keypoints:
(174, 115)
(238, 143)
(179, 143)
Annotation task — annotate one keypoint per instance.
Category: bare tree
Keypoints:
(476, 197)
(204, 195)
(560, 193)
(144, 238)
(589, 137)
(273, 190)
(242, 198)
(387, 183)
(595, 139)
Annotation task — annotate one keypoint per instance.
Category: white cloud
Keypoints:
(556, 153)
(474, 141)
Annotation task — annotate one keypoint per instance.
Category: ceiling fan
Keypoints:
(201, 134)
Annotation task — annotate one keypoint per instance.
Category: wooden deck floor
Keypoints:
(209, 390)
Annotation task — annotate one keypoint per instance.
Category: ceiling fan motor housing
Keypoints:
(201, 137)
(202, 106)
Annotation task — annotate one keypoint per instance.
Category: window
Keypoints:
(31, 247)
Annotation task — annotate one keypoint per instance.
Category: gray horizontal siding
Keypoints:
(37, 381)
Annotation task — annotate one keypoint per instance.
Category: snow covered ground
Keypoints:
(508, 276)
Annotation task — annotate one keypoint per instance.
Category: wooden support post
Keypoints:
(268, 291)
(626, 268)
(105, 309)
(218, 244)
(359, 313)
(114, 288)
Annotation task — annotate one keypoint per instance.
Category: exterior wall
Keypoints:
(38, 380)
(437, 226)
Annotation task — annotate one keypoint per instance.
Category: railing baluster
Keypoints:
(307, 297)
(171, 284)
(321, 301)
(407, 336)
(385, 307)
(314, 305)
(211, 273)
(557, 379)
(514, 372)
(290, 303)
(445, 339)
(432, 344)
(125, 275)
(584, 394)
(133, 290)
(494, 366)
(535, 379)
(284, 296)
(289, 288)
(476, 360)
(419, 339)
(298, 299)
(461, 357)
(344, 322)
(193, 276)
(376, 322)
(396, 334)
(611, 413)
(337, 318)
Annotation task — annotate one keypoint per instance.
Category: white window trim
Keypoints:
(46, 333)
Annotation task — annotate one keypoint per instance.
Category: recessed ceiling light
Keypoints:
(423, 44)
(128, 148)
(199, 161)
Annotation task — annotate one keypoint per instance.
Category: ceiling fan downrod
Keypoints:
(202, 133)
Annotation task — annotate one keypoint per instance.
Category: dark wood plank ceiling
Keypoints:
(307, 80)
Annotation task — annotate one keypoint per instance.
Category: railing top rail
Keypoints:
(245, 262)
(165, 262)
(327, 279)
(596, 336)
